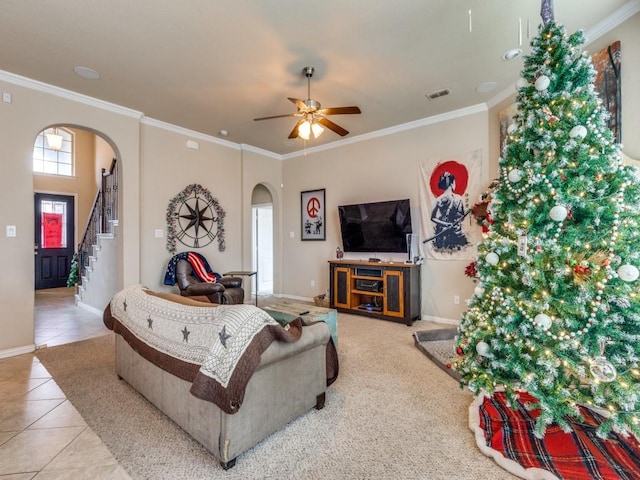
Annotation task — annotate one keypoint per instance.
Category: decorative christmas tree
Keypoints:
(556, 311)
(72, 279)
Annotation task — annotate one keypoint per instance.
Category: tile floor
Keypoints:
(42, 436)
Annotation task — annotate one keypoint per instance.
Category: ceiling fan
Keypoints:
(313, 118)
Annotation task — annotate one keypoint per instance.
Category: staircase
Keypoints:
(98, 251)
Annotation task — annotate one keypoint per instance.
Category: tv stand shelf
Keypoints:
(386, 290)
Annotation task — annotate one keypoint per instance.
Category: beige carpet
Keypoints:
(392, 414)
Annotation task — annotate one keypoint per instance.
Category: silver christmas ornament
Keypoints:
(602, 370)
(542, 83)
(628, 273)
(579, 131)
(492, 258)
(542, 321)
(558, 213)
(515, 175)
(482, 348)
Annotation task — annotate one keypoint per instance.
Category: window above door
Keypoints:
(50, 159)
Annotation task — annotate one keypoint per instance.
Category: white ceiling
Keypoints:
(212, 65)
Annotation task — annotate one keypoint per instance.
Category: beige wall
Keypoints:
(103, 156)
(384, 168)
(167, 167)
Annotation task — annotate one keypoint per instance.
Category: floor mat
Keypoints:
(506, 435)
(439, 346)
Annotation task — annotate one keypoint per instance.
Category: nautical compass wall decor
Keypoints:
(195, 219)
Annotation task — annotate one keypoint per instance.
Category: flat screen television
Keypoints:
(378, 227)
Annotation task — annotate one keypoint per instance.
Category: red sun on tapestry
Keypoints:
(459, 172)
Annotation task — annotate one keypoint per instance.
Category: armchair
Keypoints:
(226, 290)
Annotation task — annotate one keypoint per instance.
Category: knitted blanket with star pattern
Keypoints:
(216, 348)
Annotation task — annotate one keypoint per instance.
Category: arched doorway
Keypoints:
(262, 239)
(67, 186)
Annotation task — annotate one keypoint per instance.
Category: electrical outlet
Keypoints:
(6, 97)
(313, 283)
(456, 299)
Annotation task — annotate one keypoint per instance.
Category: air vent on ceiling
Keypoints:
(438, 94)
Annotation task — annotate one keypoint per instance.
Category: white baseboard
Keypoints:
(295, 297)
(432, 318)
(90, 308)
(13, 352)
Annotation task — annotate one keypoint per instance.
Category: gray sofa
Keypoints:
(290, 379)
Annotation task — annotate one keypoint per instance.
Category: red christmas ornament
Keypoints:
(448, 365)
(459, 351)
(582, 270)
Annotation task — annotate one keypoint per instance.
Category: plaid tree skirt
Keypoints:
(507, 436)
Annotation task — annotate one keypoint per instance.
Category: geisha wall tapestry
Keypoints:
(448, 191)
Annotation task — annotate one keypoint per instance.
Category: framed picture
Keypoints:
(312, 207)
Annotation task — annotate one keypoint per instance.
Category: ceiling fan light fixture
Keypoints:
(317, 129)
(313, 118)
(304, 130)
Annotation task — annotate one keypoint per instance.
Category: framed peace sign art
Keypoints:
(313, 217)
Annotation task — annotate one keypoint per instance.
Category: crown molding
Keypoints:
(67, 94)
(208, 138)
(188, 132)
(612, 21)
(463, 112)
(260, 151)
(503, 95)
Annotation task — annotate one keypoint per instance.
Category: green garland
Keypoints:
(172, 217)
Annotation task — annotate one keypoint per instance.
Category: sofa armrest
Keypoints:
(204, 288)
(230, 282)
(312, 336)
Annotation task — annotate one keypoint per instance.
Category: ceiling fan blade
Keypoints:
(277, 116)
(299, 103)
(339, 110)
(294, 132)
(332, 126)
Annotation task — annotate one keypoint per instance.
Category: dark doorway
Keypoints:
(54, 239)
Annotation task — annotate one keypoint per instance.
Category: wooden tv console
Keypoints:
(390, 291)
